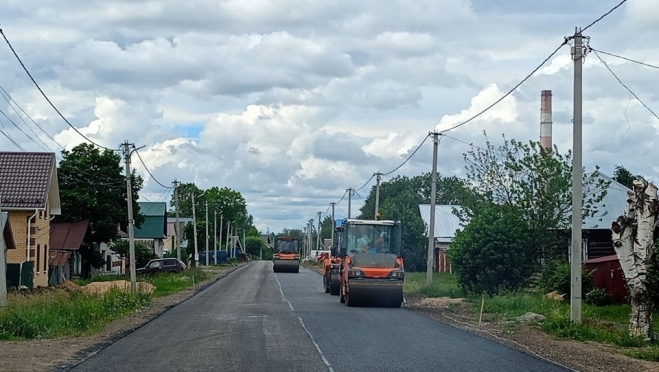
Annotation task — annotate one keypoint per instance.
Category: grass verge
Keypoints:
(443, 285)
(65, 314)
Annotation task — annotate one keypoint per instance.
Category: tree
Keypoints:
(295, 233)
(143, 254)
(634, 234)
(254, 245)
(224, 201)
(92, 186)
(326, 227)
(532, 183)
(623, 176)
(490, 254)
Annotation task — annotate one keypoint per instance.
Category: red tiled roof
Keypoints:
(25, 178)
(68, 235)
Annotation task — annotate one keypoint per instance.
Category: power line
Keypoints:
(9, 98)
(364, 185)
(408, 158)
(11, 139)
(604, 15)
(565, 41)
(625, 58)
(149, 172)
(461, 141)
(46, 97)
(26, 135)
(623, 84)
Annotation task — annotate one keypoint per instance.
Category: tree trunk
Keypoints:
(633, 240)
(640, 317)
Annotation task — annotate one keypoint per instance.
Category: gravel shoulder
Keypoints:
(61, 354)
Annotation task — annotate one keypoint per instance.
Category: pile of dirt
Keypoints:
(124, 285)
(67, 284)
(439, 302)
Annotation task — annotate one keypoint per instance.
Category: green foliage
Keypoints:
(490, 255)
(62, 314)
(143, 254)
(556, 276)
(169, 283)
(295, 233)
(652, 278)
(92, 186)
(531, 183)
(443, 285)
(254, 245)
(624, 176)
(598, 297)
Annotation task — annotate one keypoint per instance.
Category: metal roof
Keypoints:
(612, 206)
(26, 179)
(446, 223)
(155, 221)
(153, 208)
(68, 235)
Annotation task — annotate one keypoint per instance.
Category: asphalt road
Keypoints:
(256, 320)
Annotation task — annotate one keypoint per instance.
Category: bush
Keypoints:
(557, 276)
(490, 254)
(599, 297)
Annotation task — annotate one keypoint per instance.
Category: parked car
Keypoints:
(162, 265)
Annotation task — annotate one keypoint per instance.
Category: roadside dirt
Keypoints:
(580, 356)
(61, 354)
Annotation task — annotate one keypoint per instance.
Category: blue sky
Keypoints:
(292, 104)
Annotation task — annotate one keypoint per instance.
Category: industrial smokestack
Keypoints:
(545, 119)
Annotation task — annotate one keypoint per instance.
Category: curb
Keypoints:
(87, 353)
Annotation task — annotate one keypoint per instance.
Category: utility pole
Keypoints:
(349, 201)
(433, 194)
(244, 245)
(318, 233)
(177, 225)
(215, 239)
(3, 264)
(333, 223)
(575, 298)
(228, 234)
(194, 225)
(377, 196)
(131, 222)
(207, 264)
(219, 238)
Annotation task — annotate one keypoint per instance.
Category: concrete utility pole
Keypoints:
(349, 201)
(194, 226)
(207, 263)
(244, 245)
(131, 222)
(377, 195)
(575, 299)
(177, 226)
(215, 239)
(318, 232)
(228, 234)
(333, 222)
(3, 264)
(219, 238)
(433, 195)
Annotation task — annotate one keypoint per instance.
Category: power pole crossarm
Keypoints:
(575, 298)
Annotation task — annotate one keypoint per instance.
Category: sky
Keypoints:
(292, 102)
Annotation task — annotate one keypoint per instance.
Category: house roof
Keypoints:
(28, 180)
(155, 221)
(446, 223)
(153, 209)
(611, 206)
(68, 235)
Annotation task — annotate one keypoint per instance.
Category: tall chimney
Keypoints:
(545, 119)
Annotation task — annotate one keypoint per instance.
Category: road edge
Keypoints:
(91, 351)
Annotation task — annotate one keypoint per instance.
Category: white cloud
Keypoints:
(292, 102)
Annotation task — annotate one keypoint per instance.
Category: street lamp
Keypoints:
(194, 226)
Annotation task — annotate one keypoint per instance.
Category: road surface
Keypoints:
(256, 320)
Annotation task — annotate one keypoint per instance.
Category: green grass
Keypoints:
(65, 314)
(443, 285)
(170, 283)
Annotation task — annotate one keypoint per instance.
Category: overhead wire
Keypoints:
(603, 16)
(11, 100)
(408, 158)
(46, 97)
(625, 58)
(26, 135)
(623, 84)
(149, 172)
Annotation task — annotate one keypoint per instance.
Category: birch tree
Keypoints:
(633, 240)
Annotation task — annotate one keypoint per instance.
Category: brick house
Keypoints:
(29, 192)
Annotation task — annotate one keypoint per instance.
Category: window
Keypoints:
(45, 262)
(170, 262)
(38, 258)
(155, 264)
(287, 245)
(370, 239)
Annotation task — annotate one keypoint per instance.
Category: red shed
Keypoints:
(608, 275)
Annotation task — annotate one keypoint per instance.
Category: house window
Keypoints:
(38, 258)
(45, 261)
